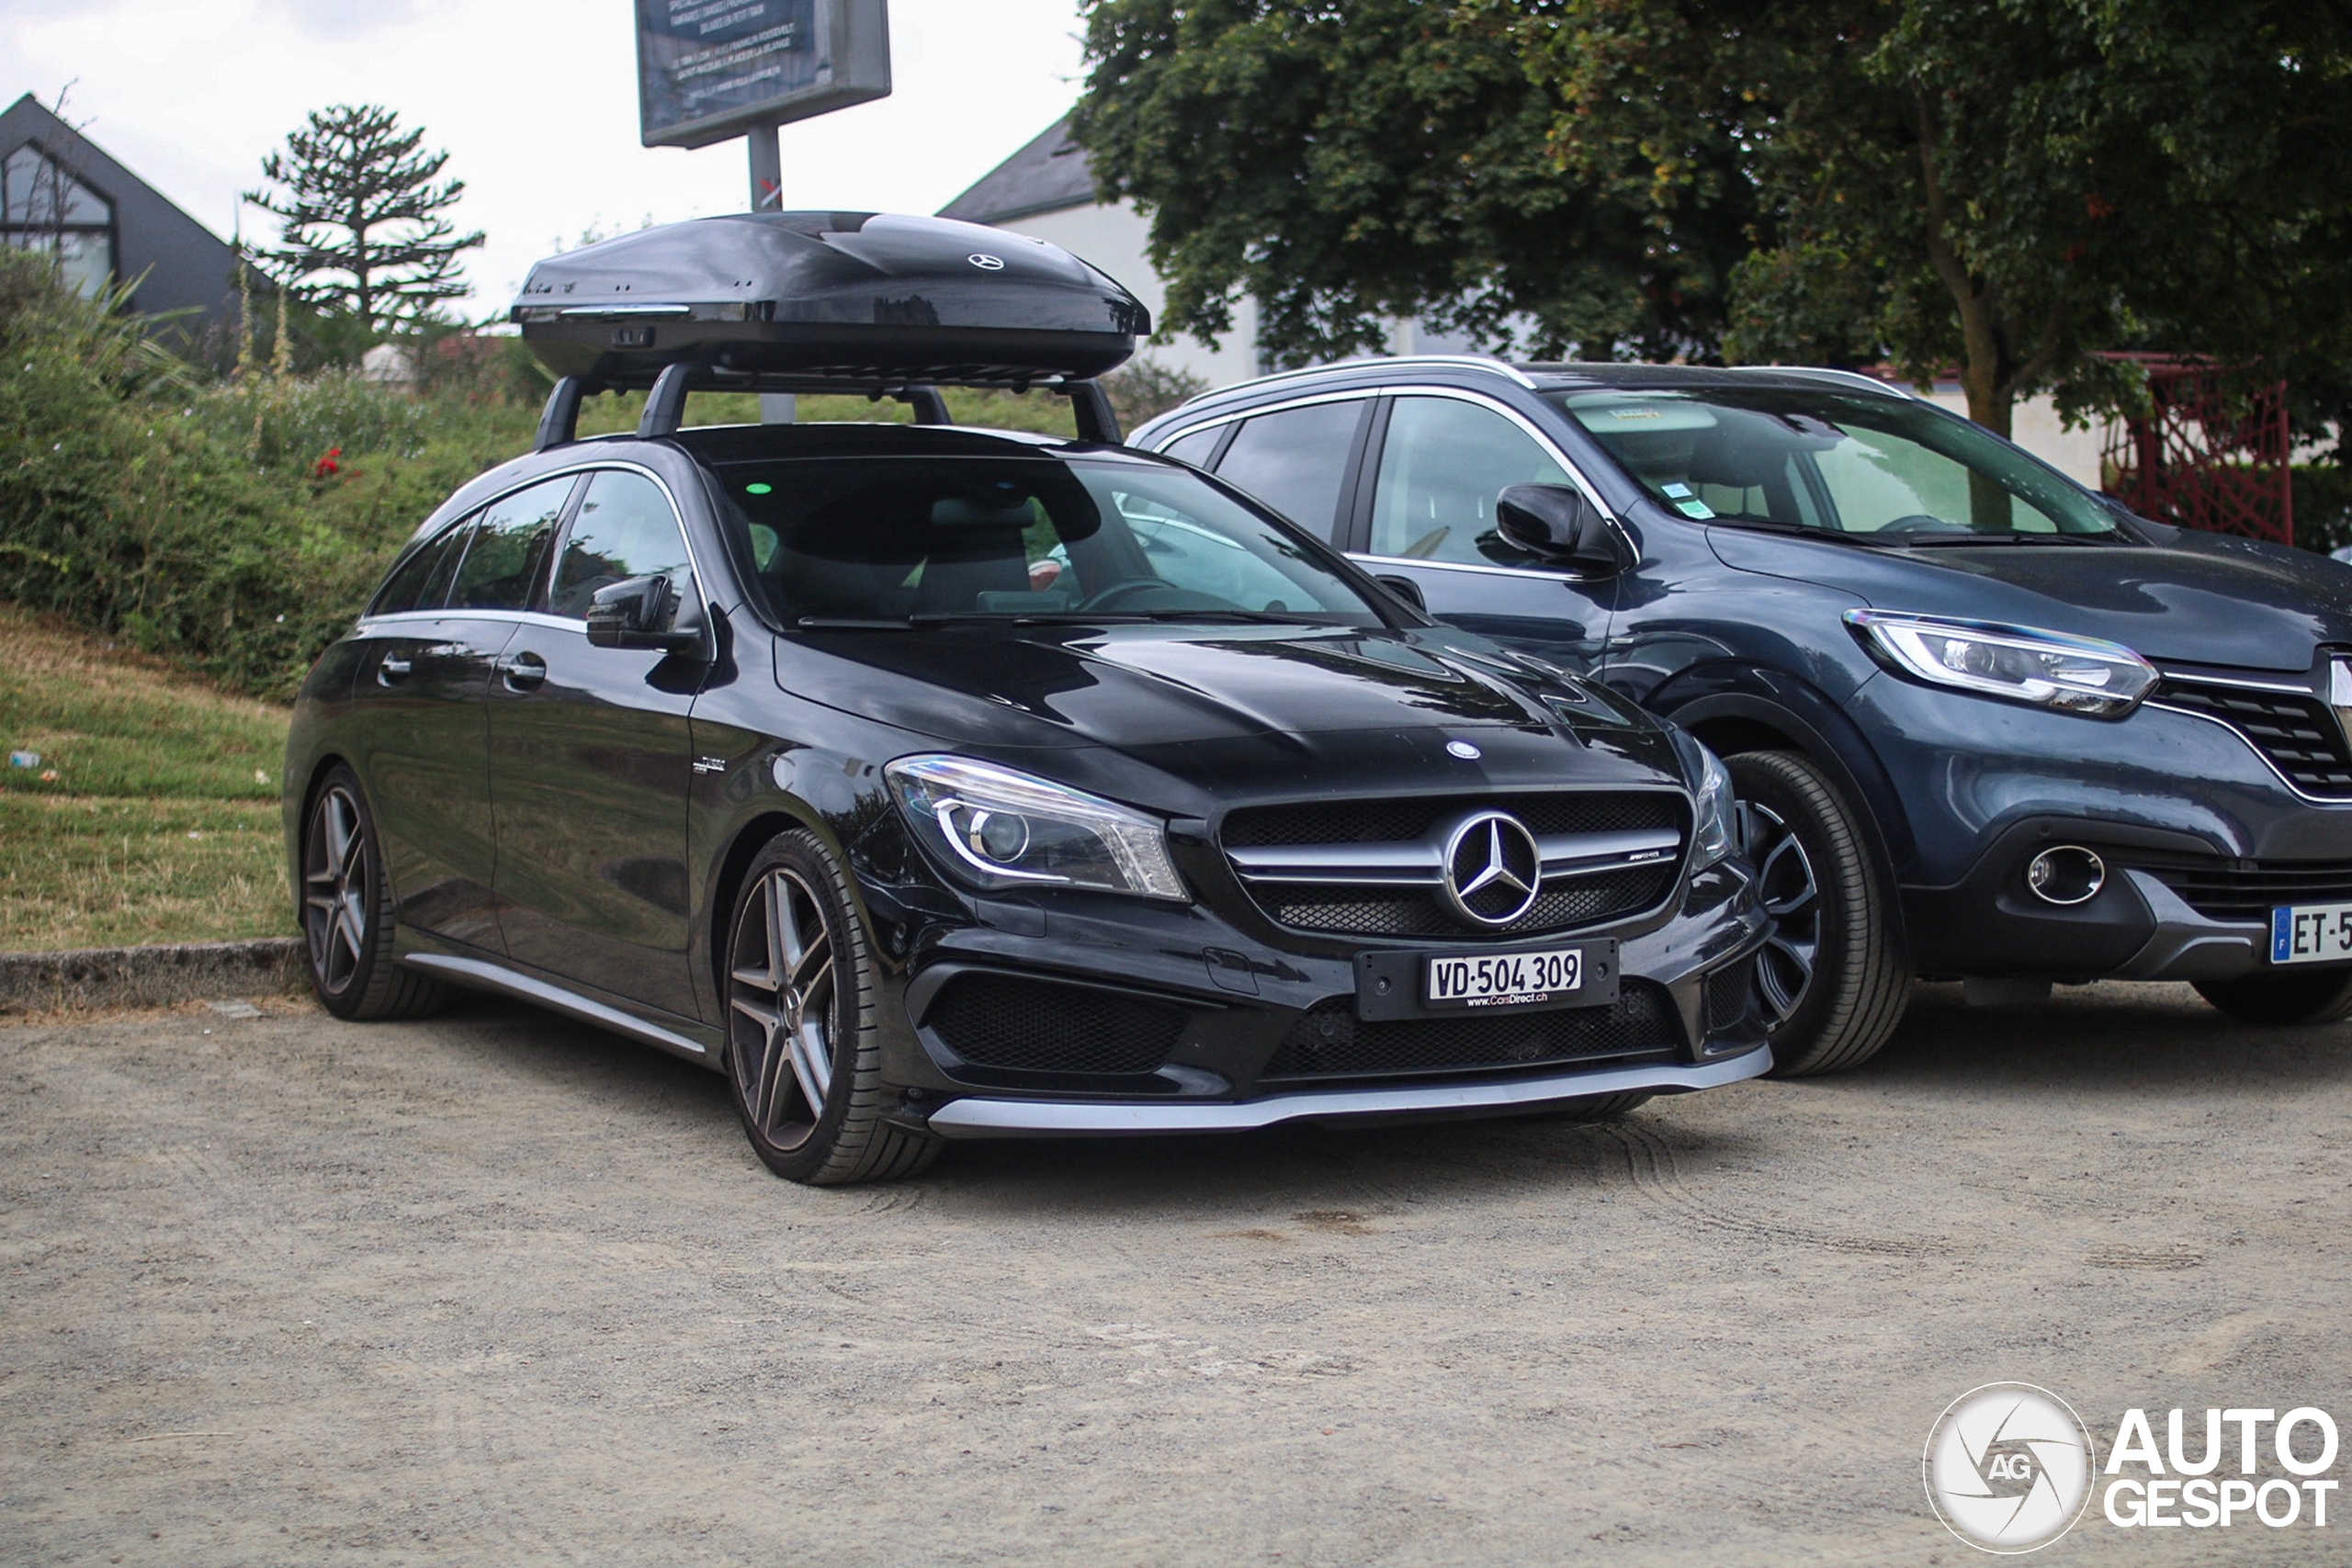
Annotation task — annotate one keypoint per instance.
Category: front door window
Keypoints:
(1442, 465)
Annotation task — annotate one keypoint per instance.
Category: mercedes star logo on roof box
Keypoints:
(986, 262)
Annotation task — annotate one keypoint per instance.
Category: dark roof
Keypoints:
(186, 265)
(1048, 175)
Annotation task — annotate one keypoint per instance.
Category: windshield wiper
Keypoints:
(1805, 530)
(1245, 618)
(1940, 541)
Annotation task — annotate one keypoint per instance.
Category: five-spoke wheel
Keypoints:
(346, 910)
(802, 1049)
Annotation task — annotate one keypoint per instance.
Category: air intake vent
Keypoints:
(1331, 1042)
(998, 1020)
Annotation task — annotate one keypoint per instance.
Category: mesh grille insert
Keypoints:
(1730, 995)
(1375, 911)
(999, 1020)
(2299, 734)
(1331, 1042)
(2247, 890)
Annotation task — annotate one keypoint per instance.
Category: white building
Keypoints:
(1047, 190)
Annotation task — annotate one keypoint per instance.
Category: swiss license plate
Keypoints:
(1504, 980)
(2310, 934)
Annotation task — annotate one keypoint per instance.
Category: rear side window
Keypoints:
(510, 547)
(421, 581)
(1295, 461)
(625, 529)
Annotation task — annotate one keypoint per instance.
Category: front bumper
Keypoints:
(1197, 1026)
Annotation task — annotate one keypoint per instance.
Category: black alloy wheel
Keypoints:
(2287, 998)
(801, 1048)
(1831, 980)
(346, 911)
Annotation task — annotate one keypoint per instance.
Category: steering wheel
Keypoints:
(1119, 592)
(1922, 522)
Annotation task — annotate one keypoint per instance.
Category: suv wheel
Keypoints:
(1831, 981)
(348, 911)
(801, 1047)
(2314, 996)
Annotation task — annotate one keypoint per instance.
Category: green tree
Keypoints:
(362, 219)
(2007, 184)
(1348, 162)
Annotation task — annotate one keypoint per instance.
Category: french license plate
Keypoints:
(1504, 980)
(2310, 934)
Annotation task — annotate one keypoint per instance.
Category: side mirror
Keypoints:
(640, 612)
(1408, 589)
(1556, 523)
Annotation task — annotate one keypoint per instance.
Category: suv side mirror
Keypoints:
(1558, 524)
(640, 612)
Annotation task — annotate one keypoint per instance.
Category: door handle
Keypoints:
(393, 671)
(524, 672)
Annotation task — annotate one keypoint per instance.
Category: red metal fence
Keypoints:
(2206, 456)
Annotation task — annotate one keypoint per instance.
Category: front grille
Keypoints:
(1731, 993)
(1395, 821)
(1352, 911)
(2246, 890)
(1331, 1042)
(1407, 909)
(999, 1020)
(2299, 734)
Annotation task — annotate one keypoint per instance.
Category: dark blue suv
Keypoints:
(1984, 724)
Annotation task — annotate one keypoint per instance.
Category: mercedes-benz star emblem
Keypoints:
(986, 262)
(1493, 868)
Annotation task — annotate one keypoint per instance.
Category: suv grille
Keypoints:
(997, 1020)
(1331, 1042)
(2246, 890)
(2299, 734)
(1607, 856)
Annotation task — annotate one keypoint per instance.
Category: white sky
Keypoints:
(535, 100)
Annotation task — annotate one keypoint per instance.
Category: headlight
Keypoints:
(1710, 781)
(996, 828)
(2074, 674)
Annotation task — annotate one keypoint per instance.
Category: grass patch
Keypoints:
(161, 824)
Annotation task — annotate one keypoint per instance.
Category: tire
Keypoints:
(1598, 1108)
(346, 911)
(802, 1050)
(2314, 996)
(1832, 980)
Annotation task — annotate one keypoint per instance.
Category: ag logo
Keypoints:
(2009, 1468)
(986, 262)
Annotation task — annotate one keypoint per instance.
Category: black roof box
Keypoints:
(860, 297)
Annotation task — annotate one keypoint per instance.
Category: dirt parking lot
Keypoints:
(499, 1289)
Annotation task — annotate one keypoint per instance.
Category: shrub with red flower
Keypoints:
(328, 466)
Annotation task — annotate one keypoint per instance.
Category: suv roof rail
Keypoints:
(1845, 378)
(1459, 361)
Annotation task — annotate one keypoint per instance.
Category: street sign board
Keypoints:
(708, 69)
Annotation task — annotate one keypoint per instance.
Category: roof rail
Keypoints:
(1459, 361)
(1845, 377)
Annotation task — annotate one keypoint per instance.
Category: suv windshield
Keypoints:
(905, 539)
(1887, 470)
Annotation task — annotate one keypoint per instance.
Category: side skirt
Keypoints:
(488, 977)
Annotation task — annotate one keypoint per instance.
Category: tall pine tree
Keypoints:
(362, 217)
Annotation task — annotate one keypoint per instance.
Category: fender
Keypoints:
(1724, 694)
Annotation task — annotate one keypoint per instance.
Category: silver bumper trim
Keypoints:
(2188, 946)
(977, 1118)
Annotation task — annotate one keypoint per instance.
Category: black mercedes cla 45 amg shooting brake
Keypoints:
(936, 783)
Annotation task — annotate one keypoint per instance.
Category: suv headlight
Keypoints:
(996, 828)
(2019, 664)
(1711, 819)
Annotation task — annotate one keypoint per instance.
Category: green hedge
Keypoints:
(2323, 506)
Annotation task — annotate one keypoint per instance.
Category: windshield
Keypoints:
(901, 540)
(1887, 470)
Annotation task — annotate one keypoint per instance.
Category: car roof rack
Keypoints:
(666, 404)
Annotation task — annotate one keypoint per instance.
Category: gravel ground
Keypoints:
(498, 1288)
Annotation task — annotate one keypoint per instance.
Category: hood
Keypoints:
(2187, 597)
(1136, 687)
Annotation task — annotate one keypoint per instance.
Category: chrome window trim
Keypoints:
(1221, 420)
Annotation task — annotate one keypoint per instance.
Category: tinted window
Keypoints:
(510, 546)
(1441, 465)
(420, 581)
(867, 541)
(1296, 460)
(1194, 448)
(625, 529)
